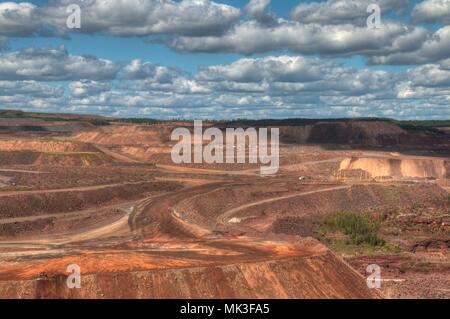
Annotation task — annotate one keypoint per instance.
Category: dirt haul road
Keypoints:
(224, 218)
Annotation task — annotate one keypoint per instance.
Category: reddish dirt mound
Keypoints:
(317, 275)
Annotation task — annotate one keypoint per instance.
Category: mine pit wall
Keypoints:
(83, 160)
(375, 133)
(18, 157)
(361, 134)
(407, 167)
(44, 145)
(126, 135)
(321, 276)
(18, 125)
(204, 209)
(144, 153)
(359, 198)
(36, 204)
(54, 159)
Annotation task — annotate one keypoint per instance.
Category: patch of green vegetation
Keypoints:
(419, 128)
(424, 126)
(427, 123)
(361, 228)
(294, 121)
(430, 127)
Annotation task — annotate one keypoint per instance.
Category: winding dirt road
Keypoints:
(222, 219)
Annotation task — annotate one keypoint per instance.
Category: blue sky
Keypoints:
(222, 59)
(112, 48)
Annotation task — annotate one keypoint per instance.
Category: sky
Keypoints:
(202, 59)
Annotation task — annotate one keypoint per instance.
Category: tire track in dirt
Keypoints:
(73, 189)
(118, 226)
(64, 215)
(190, 170)
(158, 208)
(22, 171)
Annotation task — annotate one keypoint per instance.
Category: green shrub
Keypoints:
(361, 228)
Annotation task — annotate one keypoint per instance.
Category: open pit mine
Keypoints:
(107, 198)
